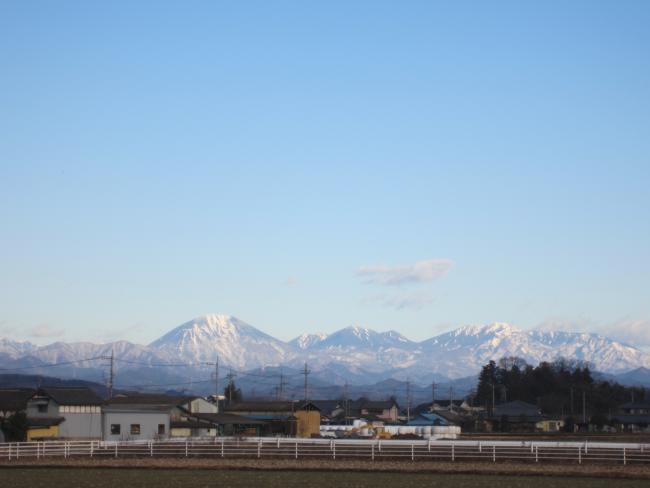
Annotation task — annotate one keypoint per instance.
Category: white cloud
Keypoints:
(420, 272)
(635, 332)
(401, 301)
(44, 331)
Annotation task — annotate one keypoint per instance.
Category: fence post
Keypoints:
(296, 449)
(116, 450)
(38, 451)
(185, 448)
(92, 448)
(494, 453)
(151, 448)
(333, 450)
(579, 454)
(373, 452)
(412, 452)
(536, 454)
(259, 448)
(453, 452)
(10, 451)
(480, 446)
(65, 450)
(624, 458)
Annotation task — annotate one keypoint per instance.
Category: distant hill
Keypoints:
(35, 381)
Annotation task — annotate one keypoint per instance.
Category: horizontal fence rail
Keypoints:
(341, 449)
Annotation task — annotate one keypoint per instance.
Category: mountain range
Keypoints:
(351, 355)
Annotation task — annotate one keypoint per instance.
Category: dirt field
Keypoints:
(100, 478)
(485, 470)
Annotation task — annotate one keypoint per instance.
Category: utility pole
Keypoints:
(306, 372)
(216, 382)
(408, 400)
(451, 398)
(346, 402)
(230, 386)
(584, 407)
(281, 387)
(433, 396)
(111, 373)
(572, 411)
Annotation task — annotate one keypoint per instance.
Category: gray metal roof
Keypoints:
(71, 396)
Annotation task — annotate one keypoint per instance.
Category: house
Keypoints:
(549, 425)
(292, 418)
(13, 400)
(224, 424)
(515, 416)
(333, 411)
(64, 413)
(149, 417)
(385, 410)
(633, 416)
(429, 419)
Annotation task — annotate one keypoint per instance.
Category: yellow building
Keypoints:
(43, 428)
(307, 420)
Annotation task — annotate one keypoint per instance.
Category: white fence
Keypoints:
(373, 450)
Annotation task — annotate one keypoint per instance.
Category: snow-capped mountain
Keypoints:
(361, 349)
(15, 349)
(305, 341)
(467, 348)
(354, 353)
(236, 343)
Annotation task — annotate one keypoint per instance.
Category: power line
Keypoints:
(306, 372)
(63, 363)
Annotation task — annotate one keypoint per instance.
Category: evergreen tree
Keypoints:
(232, 393)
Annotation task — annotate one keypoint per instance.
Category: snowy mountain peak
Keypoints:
(495, 328)
(305, 341)
(233, 341)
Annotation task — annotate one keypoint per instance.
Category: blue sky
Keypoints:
(311, 165)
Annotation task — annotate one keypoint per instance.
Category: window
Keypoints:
(42, 408)
(161, 429)
(63, 409)
(115, 429)
(135, 429)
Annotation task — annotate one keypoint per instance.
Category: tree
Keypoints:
(232, 393)
(15, 427)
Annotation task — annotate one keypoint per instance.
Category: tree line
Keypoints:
(566, 388)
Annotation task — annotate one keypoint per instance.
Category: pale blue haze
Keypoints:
(163, 160)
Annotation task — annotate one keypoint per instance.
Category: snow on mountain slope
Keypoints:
(361, 352)
(236, 343)
(15, 349)
(305, 341)
(464, 350)
(361, 348)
